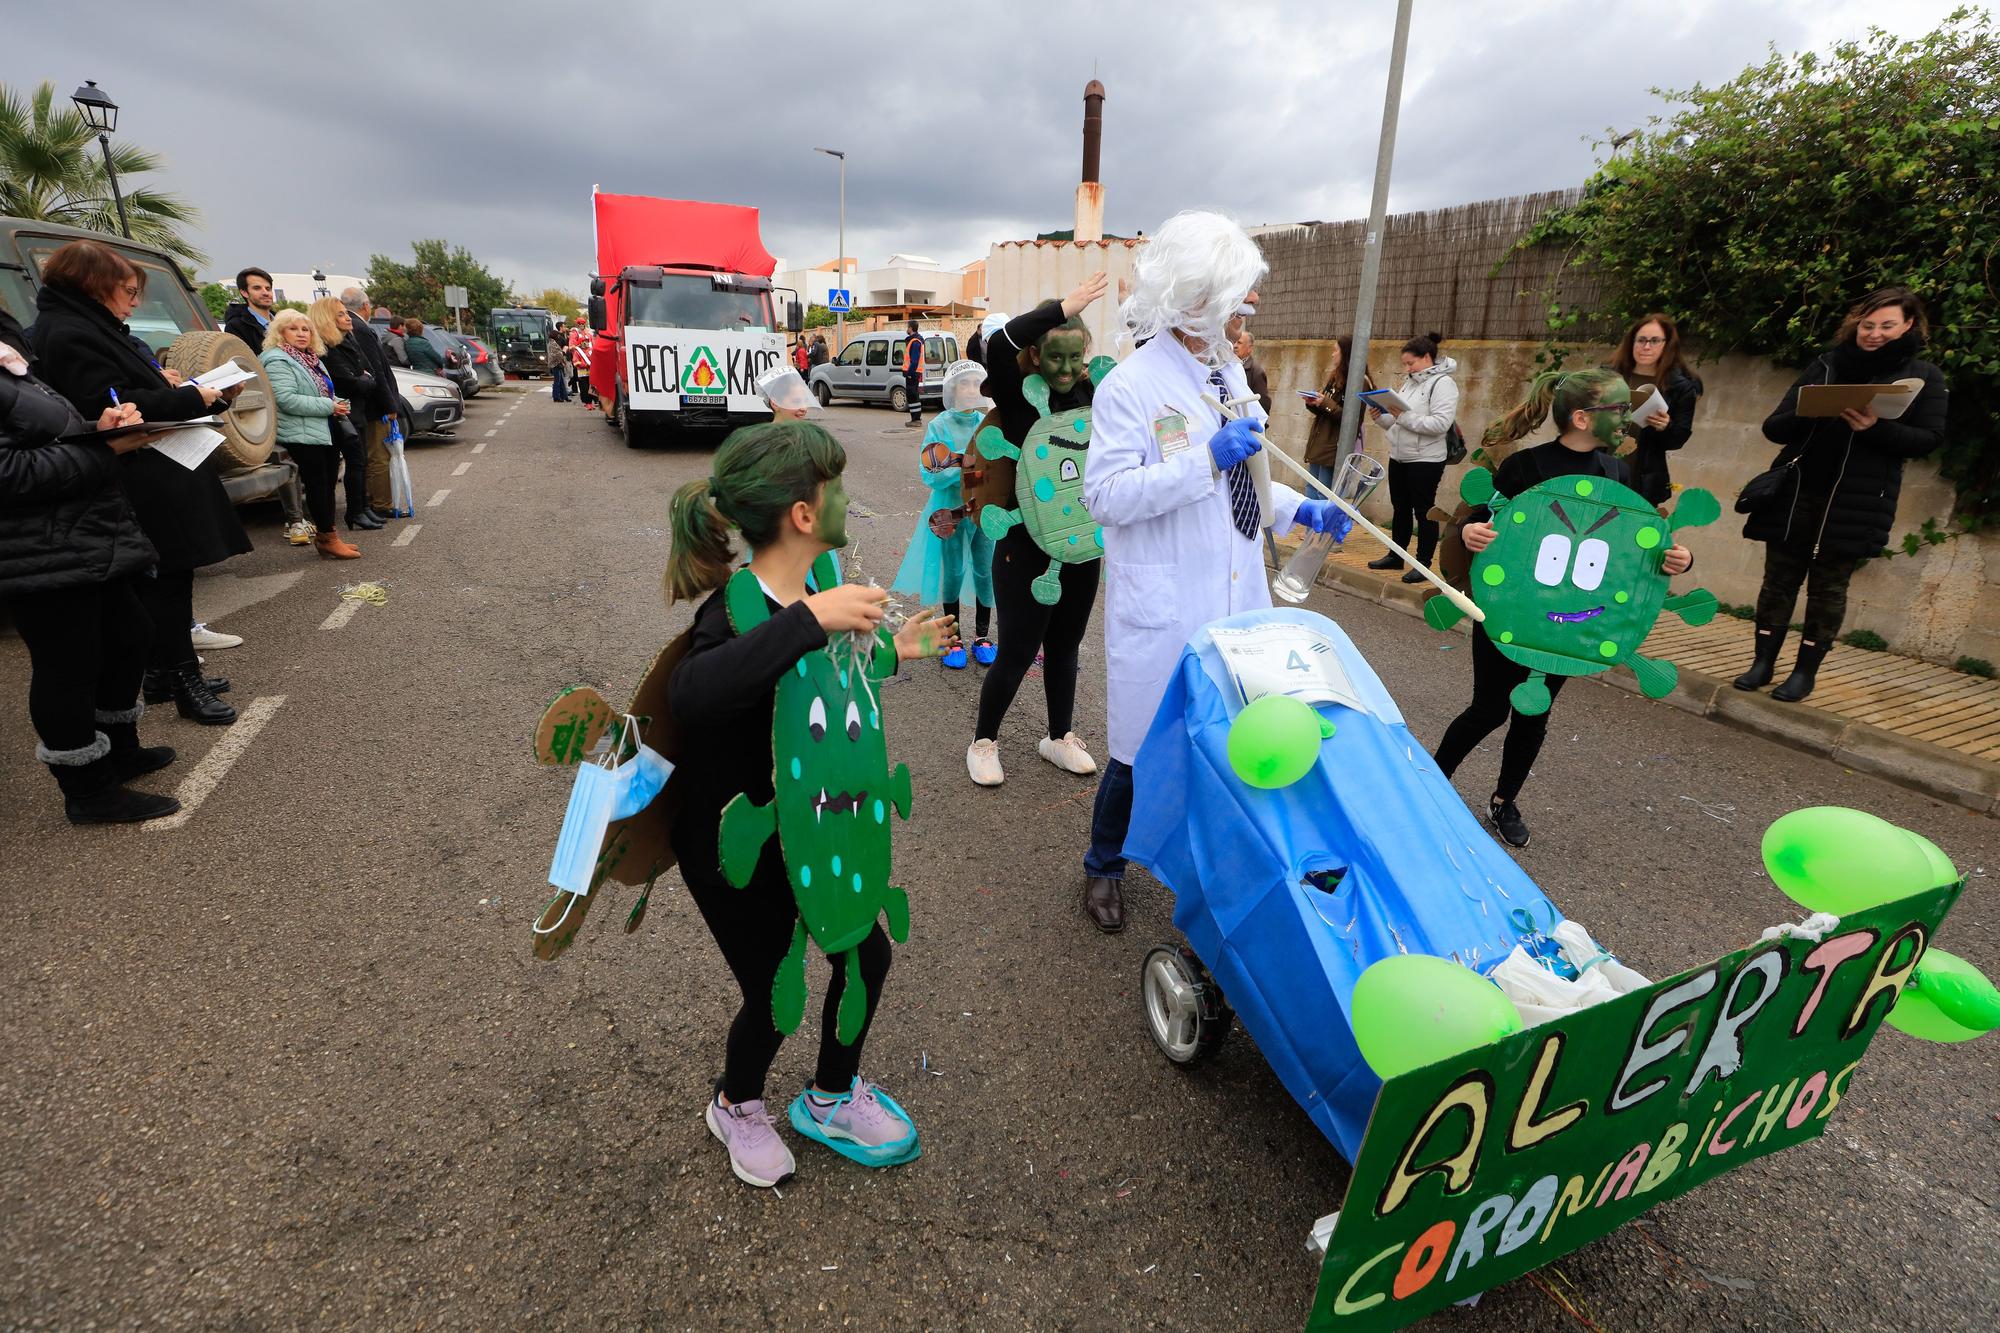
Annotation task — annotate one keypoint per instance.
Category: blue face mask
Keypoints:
(600, 796)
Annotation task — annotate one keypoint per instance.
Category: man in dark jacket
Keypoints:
(250, 314)
(380, 413)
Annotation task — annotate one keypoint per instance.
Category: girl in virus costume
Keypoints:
(780, 485)
(1589, 407)
(949, 555)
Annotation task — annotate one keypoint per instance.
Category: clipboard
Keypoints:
(1830, 400)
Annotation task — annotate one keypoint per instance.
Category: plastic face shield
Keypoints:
(782, 388)
(961, 387)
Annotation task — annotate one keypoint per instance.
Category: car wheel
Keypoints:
(635, 436)
(403, 419)
(824, 393)
(899, 399)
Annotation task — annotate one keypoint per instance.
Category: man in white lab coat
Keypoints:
(1169, 482)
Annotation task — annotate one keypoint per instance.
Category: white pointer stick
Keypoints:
(1458, 599)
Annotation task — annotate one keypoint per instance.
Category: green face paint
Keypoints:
(1063, 355)
(831, 525)
(1609, 426)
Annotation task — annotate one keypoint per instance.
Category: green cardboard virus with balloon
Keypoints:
(1572, 582)
(1049, 484)
(834, 792)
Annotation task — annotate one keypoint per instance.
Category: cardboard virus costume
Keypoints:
(1572, 582)
(1049, 484)
(834, 791)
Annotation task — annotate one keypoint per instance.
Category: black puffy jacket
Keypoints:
(1861, 471)
(1650, 474)
(64, 522)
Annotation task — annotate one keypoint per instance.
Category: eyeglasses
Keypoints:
(1607, 407)
(131, 291)
(1649, 342)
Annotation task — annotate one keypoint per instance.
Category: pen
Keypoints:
(114, 398)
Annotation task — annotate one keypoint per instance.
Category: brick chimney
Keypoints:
(1090, 192)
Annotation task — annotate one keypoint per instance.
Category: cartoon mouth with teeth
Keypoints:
(839, 803)
(1575, 617)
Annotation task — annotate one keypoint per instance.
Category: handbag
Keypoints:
(1774, 488)
(1454, 444)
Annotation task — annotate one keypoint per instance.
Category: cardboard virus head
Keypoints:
(1572, 581)
(1049, 484)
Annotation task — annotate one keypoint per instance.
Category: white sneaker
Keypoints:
(204, 637)
(982, 760)
(299, 533)
(1068, 754)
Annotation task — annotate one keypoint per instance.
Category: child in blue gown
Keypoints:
(943, 569)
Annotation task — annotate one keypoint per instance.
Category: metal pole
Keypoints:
(1371, 256)
(124, 223)
(840, 265)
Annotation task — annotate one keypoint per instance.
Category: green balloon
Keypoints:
(1274, 742)
(1916, 1014)
(1831, 859)
(1959, 990)
(1943, 872)
(1413, 1009)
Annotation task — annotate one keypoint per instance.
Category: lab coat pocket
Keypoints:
(1141, 597)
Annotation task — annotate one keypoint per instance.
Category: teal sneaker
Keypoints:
(864, 1125)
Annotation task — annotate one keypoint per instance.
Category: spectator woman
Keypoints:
(353, 381)
(303, 392)
(71, 553)
(1649, 357)
(423, 358)
(1417, 448)
(1323, 443)
(1838, 504)
(90, 357)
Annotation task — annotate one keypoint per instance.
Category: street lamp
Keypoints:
(102, 115)
(840, 260)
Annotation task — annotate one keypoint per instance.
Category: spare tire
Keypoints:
(250, 424)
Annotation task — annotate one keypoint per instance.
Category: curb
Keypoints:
(1945, 775)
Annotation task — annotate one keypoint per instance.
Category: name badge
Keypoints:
(1170, 433)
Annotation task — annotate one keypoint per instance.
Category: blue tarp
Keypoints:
(1422, 875)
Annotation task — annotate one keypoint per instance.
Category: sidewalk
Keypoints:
(1910, 722)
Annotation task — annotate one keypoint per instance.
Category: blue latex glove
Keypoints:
(1325, 516)
(1236, 441)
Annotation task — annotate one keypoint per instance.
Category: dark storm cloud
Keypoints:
(319, 134)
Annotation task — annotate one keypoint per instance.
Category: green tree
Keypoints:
(217, 296)
(557, 301)
(1760, 210)
(51, 170)
(417, 288)
(819, 317)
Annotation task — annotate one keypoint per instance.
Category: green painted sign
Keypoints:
(1482, 1168)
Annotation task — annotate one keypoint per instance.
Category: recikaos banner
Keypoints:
(1487, 1166)
(668, 369)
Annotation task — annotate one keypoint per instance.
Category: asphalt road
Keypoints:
(292, 1063)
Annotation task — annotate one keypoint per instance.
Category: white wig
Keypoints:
(1191, 276)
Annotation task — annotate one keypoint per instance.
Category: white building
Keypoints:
(309, 287)
(903, 280)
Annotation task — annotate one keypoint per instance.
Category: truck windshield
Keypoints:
(530, 329)
(685, 301)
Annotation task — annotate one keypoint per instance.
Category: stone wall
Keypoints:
(1939, 605)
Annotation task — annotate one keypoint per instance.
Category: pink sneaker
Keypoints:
(865, 1125)
(756, 1154)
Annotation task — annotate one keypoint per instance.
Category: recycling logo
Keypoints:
(703, 375)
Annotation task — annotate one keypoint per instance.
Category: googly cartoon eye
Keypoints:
(1067, 470)
(816, 719)
(1552, 560)
(1591, 556)
(854, 719)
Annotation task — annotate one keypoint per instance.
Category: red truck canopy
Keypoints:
(638, 229)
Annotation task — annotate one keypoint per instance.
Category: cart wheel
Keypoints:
(1185, 1013)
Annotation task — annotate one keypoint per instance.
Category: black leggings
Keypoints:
(168, 599)
(1788, 564)
(86, 650)
(317, 465)
(983, 613)
(354, 454)
(1493, 677)
(1413, 489)
(753, 928)
(582, 384)
(1026, 625)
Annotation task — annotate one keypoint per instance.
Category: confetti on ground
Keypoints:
(373, 593)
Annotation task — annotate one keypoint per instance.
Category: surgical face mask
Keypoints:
(601, 795)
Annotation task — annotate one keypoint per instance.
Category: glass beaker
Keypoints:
(1358, 477)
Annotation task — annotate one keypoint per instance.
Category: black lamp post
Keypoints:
(102, 114)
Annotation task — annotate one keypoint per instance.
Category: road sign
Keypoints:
(840, 300)
(455, 297)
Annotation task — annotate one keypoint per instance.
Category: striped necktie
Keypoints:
(1243, 508)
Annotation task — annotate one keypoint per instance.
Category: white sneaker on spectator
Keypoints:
(299, 533)
(204, 637)
(982, 761)
(1068, 754)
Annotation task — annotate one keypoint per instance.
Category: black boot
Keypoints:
(129, 759)
(157, 687)
(91, 793)
(1800, 683)
(1759, 674)
(1387, 562)
(362, 518)
(196, 702)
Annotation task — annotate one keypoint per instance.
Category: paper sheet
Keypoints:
(1284, 657)
(1383, 398)
(1889, 406)
(1647, 406)
(189, 447)
(225, 376)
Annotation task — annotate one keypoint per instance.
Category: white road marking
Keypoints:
(437, 499)
(479, 448)
(341, 614)
(495, 431)
(462, 469)
(407, 535)
(215, 765)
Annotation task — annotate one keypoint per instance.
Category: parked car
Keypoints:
(428, 404)
(870, 368)
(172, 321)
(484, 364)
(457, 366)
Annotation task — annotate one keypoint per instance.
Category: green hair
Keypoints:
(1566, 391)
(759, 473)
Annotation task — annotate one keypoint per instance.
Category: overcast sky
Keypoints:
(319, 134)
